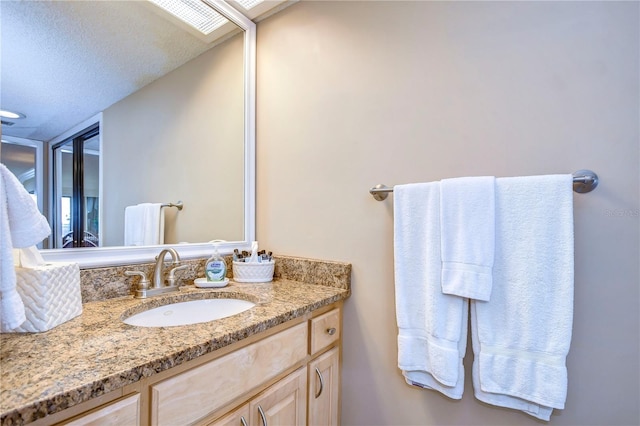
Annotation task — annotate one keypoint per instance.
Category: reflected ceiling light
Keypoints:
(195, 13)
(248, 4)
(10, 114)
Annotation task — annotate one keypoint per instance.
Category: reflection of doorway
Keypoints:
(23, 157)
(76, 171)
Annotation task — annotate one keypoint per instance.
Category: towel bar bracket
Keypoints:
(583, 181)
(177, 205)
(380, 192)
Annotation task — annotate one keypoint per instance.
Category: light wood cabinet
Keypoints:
(287, 375)
(123, 412)
(324, 389)
(325, 330)
(189, 396)
(310, 395)
(283, 403)
(238, 417)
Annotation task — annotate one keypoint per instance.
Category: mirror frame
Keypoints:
(113, 256)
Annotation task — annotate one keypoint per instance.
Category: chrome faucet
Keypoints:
(157, 286)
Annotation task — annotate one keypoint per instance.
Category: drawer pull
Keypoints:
(264, 419)
(321, 383)
(331, 331)
(243, 421)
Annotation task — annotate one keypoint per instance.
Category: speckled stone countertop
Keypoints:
(95, 353)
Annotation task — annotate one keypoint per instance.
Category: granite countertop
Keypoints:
(95, 353)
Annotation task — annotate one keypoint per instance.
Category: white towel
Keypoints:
(521, 337)
(432, 326)
(467, 222)
(21, 225)
(144, 224)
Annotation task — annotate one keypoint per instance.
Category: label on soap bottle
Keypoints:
(215, 270)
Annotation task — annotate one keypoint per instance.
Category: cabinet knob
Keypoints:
(331, 331)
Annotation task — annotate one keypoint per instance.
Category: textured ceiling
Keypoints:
(62, 62)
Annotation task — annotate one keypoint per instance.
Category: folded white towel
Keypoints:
(521, 337)
(467, 222)
(144, 224)
(431, 325)
(21, 225)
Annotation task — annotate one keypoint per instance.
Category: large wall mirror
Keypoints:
(187, 136)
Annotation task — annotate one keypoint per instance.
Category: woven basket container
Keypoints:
(51, 295)
(253, 272)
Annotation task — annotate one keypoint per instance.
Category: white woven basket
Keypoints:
(51, 295)
(253, 272)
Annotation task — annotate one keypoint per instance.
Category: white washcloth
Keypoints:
(21, 225)
(432, 326)
(467, 223)
(144, 224)
(521, 337)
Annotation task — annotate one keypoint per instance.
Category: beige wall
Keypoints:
(351, 94)
(181, 138)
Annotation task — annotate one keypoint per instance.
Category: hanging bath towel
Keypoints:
(521, 337)
(432, 326)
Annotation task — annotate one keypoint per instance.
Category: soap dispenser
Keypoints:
(216, 268)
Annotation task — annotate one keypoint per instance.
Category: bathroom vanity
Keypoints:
(276, 363)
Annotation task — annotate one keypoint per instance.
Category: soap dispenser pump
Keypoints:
(216, 268)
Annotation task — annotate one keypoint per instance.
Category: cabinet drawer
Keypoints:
(325, 330)
(192, 395)
(123, 412)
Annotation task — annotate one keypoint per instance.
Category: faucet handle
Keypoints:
(144, 282)
(172, 272)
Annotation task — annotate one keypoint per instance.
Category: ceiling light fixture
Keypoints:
(195, 13)
(10, 114)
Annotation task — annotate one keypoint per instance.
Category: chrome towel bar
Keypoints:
(583, 181)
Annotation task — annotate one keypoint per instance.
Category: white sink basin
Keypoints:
(191, 312)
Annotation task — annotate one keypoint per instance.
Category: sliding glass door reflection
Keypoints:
(76, 172)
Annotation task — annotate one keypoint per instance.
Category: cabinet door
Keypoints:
(324, 389)
(284, 403)
(238, 417)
